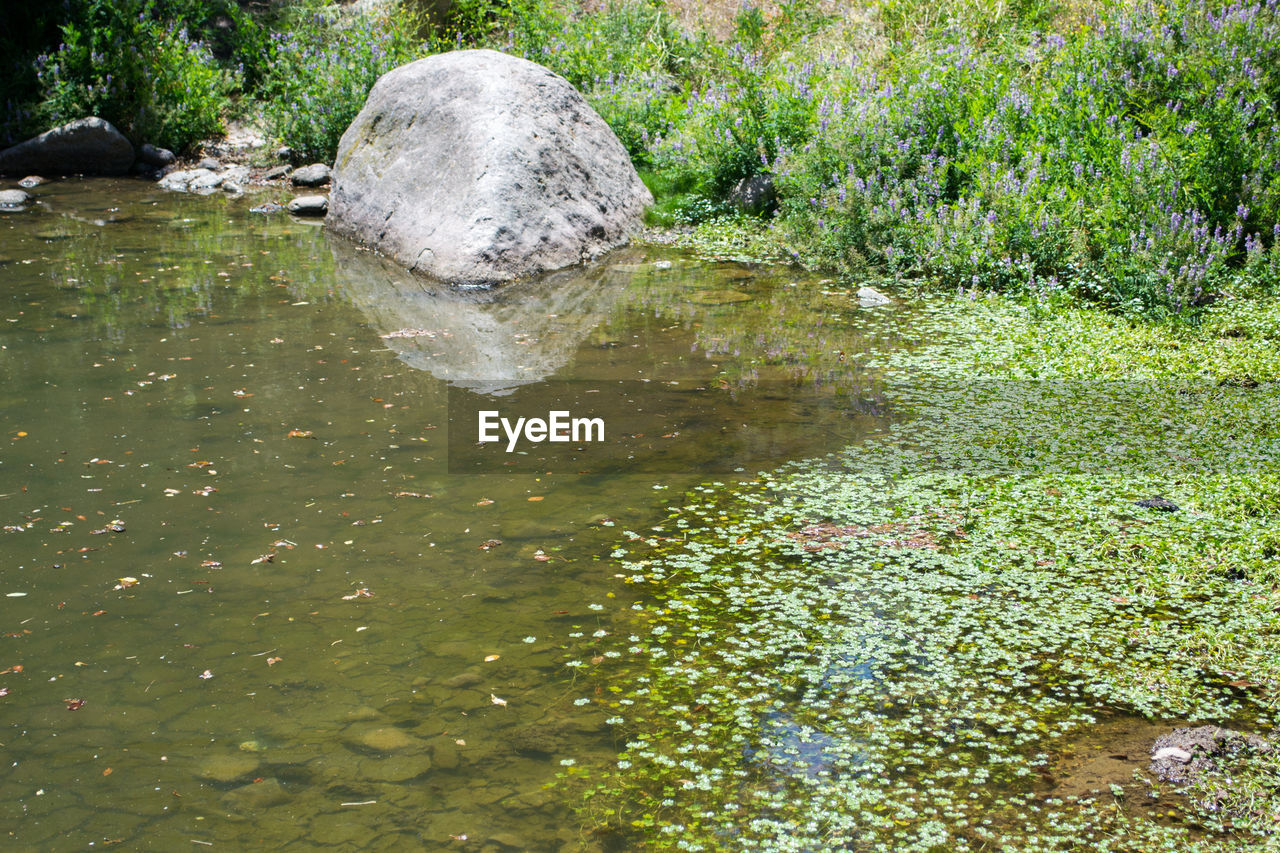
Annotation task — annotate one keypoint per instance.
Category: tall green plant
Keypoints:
(122, 61)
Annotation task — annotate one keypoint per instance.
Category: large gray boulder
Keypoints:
(475, 167)
(88, 146)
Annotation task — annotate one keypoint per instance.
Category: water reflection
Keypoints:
(205, 376)
(491, 341)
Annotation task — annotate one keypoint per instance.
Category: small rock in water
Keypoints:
(395, 768)
(464, 680)
(380, 738)
(1159, 503)
(14, 198)
(267, 207)
(257, 795)
(315, 175)
(309, 205)
(31, 181)
(182, 179)
(228, 767)
(869, 297)
(206, 182)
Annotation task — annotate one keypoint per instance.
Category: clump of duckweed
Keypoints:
(885, 649)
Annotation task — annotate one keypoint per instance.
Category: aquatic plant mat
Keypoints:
(966, 632)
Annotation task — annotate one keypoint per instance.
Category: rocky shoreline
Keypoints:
(241, 162)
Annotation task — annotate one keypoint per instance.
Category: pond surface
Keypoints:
(260, 589)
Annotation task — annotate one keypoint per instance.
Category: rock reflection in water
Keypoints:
(491, 341)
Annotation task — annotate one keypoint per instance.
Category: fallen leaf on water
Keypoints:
(300, 433)
(203, 463)
(4, 691)
(211, 564)
(483, 502)
(74, 704)
(541, 557)
(273, 661)
(207, 674)
(411, 495)
(362, 592)
(490, 543)
(459, 741)
(263, 558)
(535, 498)
(106, 772)
(495, 700)
(462, 837)
(125, 583)
(491, 658)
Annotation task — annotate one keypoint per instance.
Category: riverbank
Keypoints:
(1069, 154)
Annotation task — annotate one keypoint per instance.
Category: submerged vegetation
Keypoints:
(894, 647)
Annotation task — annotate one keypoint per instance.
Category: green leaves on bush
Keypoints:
(144, 73)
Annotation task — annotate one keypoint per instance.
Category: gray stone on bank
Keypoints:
(755, 195)
(309, 205)
(31, 181)
(275, 173)
(12, 199)
(476, 167)
(1186, 754)
(87, 146)
(315, 175)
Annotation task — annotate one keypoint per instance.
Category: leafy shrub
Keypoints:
(142, 72)
(320, 73)
(1135, 164)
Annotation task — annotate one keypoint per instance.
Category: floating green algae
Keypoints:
(889, 647)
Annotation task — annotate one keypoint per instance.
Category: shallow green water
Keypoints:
(264, 415)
